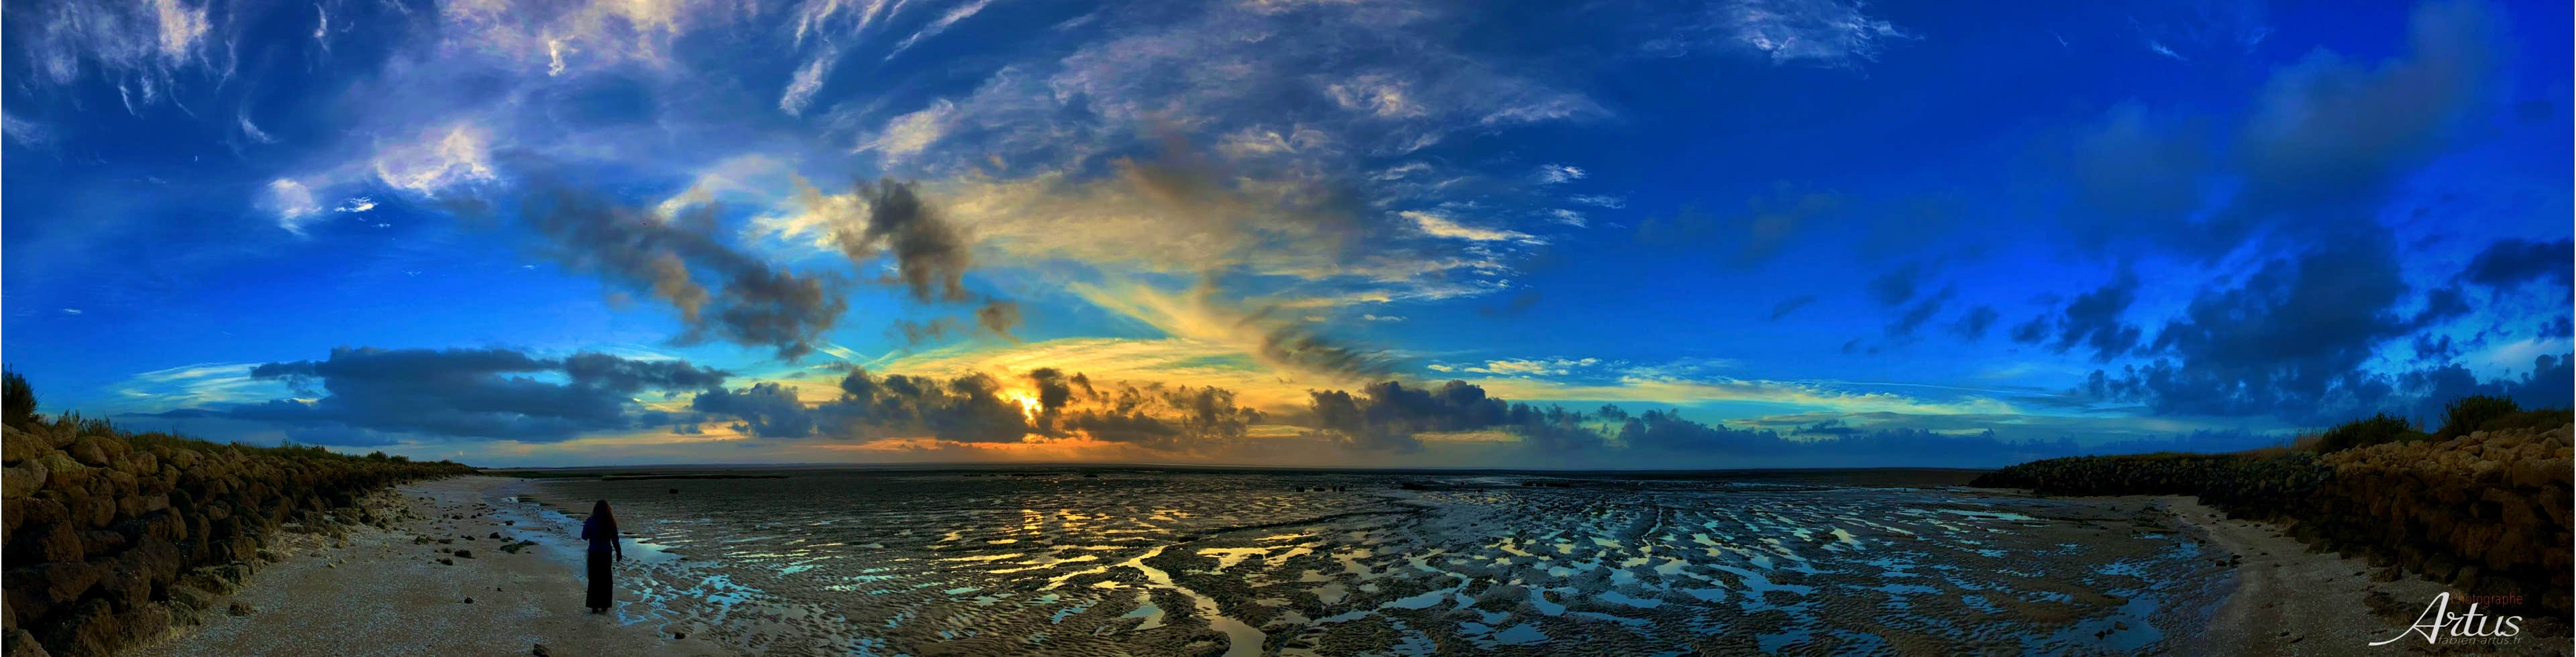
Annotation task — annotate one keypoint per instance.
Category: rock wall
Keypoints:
(106, 544)
(2487, 512)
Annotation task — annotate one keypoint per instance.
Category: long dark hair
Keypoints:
(607, 522)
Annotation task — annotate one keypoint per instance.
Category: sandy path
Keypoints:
(382, 594)
(2290, 601)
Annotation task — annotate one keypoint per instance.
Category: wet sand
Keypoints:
(1150, 562)
(383, 592)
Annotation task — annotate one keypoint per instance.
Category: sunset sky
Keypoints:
(1650, 234)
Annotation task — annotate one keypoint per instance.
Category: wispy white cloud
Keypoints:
(293, 203)
(1552, 174)
(1437, 225)
(1526, 367)
(1378, 95)
(198, 384)
(808, 81)
(439, 159)
(908, 135)
(961, 12)
(24, 132)
(138, 46)
(252, 130)
(815, 16)
(574, 35)
(1831, 33)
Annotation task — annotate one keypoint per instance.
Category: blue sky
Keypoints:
(1769, 233)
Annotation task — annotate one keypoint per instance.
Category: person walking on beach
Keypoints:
(601, 531)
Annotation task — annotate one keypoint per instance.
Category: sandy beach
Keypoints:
(2292, 600)
(389, 592)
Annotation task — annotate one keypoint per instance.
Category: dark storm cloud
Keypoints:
(2432, 347)
(1303, 349)
(466, 393)
(973, 408)
(2034, 331)
(915, 333)
(931, 256)
(2550, 383)
(721, 293)
(2442, 304)
(998, 316)
(962, 409)
(1298, 346)
(1920, 313)
(2510, 262)
(2325, 142)
(767, 410)
(1171, 419)
(1897, 285)
(1055, 389)
(1388, 415)
(2093, 321)
(630, 376)
(1668, 431)
(1792, 305)
(1973, 325)
(2290, 341)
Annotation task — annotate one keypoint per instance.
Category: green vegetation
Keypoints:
(18, 400)
(2461, 417)
(2468, 415)
(75, 425)
(2377, 429)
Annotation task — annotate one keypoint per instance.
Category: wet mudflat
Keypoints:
(1153, 562)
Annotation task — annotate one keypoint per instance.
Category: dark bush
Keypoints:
(2468, 414)
(18, 399)
(2377, 429)
(2543, 419)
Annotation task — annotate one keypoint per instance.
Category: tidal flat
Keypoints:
(1148, 561)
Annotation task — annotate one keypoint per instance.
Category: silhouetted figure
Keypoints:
(601, 531)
